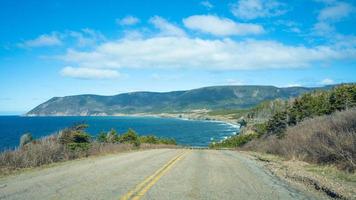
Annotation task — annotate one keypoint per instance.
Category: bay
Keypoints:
(186, 132)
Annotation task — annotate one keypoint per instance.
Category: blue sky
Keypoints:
(58, 48)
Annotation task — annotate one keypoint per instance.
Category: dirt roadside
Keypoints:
(327, 181)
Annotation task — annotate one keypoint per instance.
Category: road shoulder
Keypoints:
(326, 182)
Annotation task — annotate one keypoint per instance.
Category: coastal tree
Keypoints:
(130, 137)
(75, 137)
(101, 137)
(112, 136)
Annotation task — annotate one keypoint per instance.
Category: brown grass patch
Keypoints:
(322, 140)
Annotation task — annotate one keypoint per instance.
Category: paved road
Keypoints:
(152, 174)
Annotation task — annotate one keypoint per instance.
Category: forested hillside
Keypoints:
(210, 98)
(326, 120)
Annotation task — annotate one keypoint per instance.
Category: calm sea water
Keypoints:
(186, 132)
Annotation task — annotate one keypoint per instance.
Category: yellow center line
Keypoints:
(141, 193)
(147, 183)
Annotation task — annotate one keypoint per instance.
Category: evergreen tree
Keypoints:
(102, 137)
(130, 137)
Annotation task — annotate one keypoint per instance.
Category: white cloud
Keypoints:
(327, 81)
(288, 26)
(43, 40)
(133, 34)
(252, 9)
(82, 38)
(345, 41)
(85, 37)
(335, 12)
(220, 26)
(183, 52)
(128, 21)
(323, 28)
(166, 28)
(207, 4)
(89, 73)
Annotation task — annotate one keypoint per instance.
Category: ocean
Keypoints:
(186, 132)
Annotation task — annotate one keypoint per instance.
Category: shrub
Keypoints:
(343, 97)
(106, 148)
(75, 134)
(130, 137)
(43, 151)
(234, 141)
(25, 139)
(112, 136)
(81, 137)
(260, 129)
(79, 146)
(242, 122)
(168, 141)
(101, 137)
(323, 140)
(149, 139)
(311, 105)
(278, 124)
(75, 138)
(68, 145)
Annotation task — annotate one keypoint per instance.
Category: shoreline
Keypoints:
(193, 116)
(230, 127)
(201, 115)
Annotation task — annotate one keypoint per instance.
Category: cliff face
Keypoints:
(212, 98)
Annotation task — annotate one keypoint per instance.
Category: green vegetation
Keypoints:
(233, 114)
(131, 137)
(151, 139)
(102, 137)
(332, 173)
(311, 105)
(252, 121)
(266, 110)
(257, 114)
(326, 140)
(317, 127)
(75, 137)
(233, 141)
(112, 136)
(212, 98)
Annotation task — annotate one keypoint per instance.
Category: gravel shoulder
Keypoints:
(326, 181)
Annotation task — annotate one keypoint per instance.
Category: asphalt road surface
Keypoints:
(151, 174)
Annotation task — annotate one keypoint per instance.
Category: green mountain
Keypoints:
(211, 98)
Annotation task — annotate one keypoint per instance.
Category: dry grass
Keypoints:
(44, 151)
(49, 150)
(327, 180)
(322, 140)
